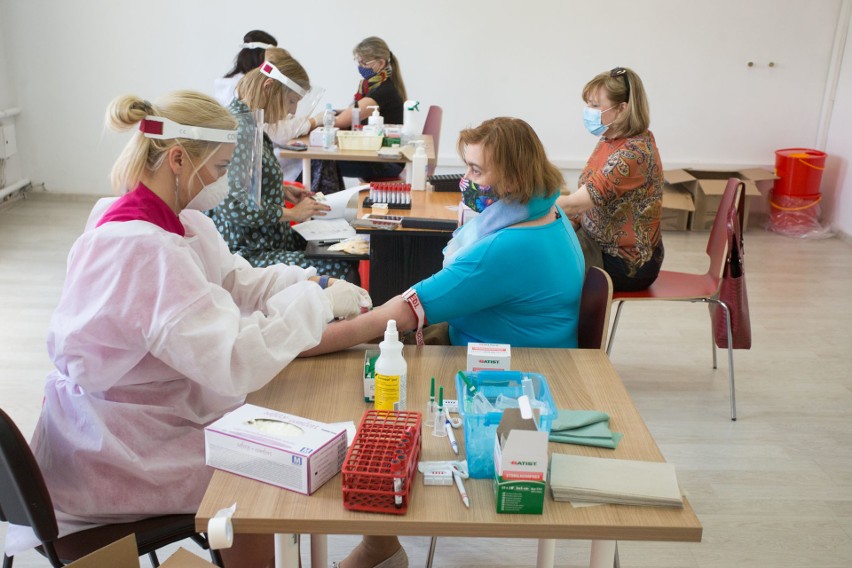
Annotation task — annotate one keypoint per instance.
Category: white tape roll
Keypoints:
(220, 531)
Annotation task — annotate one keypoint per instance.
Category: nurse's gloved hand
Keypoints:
(347, 300)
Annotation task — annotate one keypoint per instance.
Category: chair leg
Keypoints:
(614, 328)
(152, 556)
(730, 335)
(432, 545)
(713, 344)
(730, 360)
(616, 563)
(7, 561)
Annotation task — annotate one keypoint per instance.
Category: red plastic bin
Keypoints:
(379, 469)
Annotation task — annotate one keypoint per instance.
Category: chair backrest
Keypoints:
(24, 499)
(432, 127)
(717, 245)
(595, 303)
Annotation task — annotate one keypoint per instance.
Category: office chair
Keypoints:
(595, 303)
(24, 500)
(686, 287)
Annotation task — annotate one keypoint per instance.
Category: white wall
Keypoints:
(476, 58)
(837, 179)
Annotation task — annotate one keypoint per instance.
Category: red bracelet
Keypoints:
(410, 297)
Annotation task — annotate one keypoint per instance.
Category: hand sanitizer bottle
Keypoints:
(391, 372)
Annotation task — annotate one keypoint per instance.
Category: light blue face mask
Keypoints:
(592, 120)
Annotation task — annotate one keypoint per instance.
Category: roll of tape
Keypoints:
(220, 531)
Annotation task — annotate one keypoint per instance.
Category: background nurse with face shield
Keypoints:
(260, 232)
(161, 330)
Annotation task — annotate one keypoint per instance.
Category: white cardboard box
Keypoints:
(489, 356)
(520, 465)
(277, 448)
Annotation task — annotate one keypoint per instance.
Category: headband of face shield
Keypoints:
(162, 128)
(244, 173)
(272, 72)
(256, 45)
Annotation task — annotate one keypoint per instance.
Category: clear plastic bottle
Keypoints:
(391, 371)
(328, 128)
(418, 168)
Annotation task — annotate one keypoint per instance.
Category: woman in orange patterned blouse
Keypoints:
(618, 205)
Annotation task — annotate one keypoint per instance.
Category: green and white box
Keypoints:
(520, 465)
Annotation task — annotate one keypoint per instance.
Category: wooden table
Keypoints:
(329, 389)
(402, 257)
(317, 153)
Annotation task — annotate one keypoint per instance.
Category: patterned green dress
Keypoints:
(257, 234)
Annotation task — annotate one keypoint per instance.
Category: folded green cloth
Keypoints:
(585, 428)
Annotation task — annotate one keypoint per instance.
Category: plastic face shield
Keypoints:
(245, 175)
(272, 72)
(306, 108)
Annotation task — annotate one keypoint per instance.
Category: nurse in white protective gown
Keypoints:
(160, 330)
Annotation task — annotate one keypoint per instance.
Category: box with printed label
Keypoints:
(488, 356)
(520, 465)
(277, 448)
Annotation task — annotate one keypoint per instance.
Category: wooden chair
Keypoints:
(595, 303)
(24, 500)
(686, 287)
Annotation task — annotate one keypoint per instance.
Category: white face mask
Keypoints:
(210, 195)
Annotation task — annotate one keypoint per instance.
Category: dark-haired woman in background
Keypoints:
(255, 43)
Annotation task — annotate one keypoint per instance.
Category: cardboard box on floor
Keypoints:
(677, 208)
(707, 187)
(123, 554)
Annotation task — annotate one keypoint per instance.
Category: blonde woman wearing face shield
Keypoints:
(263, 235)
(160, 330)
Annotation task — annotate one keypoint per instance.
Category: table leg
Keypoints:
(306, 172)
(319, 550)
(603, 554)
(286, 550)
(546, 553)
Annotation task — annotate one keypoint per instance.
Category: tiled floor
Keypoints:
(772, 489)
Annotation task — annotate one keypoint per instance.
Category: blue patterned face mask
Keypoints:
(476, 196)
(592, 120)
(366, 72)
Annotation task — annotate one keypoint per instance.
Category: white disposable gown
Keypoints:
(155, 336)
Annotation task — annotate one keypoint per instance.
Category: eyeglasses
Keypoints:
(363, 63)
(621, 72)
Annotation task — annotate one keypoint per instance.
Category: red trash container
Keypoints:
(795, 194)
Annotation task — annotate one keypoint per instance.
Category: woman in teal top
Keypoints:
(514, 273)
(514, 286)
